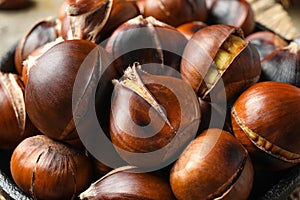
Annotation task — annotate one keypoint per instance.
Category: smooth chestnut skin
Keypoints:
(235, 13)
(198, 57)
(147, 41)
(41, 33)
(174, 12)
(282, 65)
(265, 118)
(47, 169)
(14, 123)
(190, 28)
(266, 42)
(215, 165)
(138, 126)
(49, 89)
(130, 185)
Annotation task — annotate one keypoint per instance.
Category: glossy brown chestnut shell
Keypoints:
(43, 32)
(14, 122)
(49, 91)
(151, 113)
(265, 118)
(147, 41)
(235, 13)
(174, 12)
(282, 65)
(214, 166)
(47, 169)
(123, 183)
(218, 57)
(266, 42)
(190, 28)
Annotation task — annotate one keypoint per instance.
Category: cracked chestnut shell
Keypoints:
(215, 165)
(128, 183)
(174, 12)
(47, 169)
(282, 65)
(152, 117)
(14, 122)
(147, 41)
(50, 90)
(216, 58)
(266, 118)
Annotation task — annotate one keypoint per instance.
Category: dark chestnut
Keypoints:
(265, 118)
(174, 12)
(47, 169)
(14, 4)
(237, 13)
(215, 165)
(151, 113)
(128, 183)
(14, 122)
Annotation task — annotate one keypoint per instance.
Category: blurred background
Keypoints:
(15, 23)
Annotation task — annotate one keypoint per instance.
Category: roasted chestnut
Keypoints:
(214, 166)
(190, 28)
(43, 32)
(218, 57)
(14, 123)
(128, 183)
(266, 42)
(94, 21)
(152, 117)
(237, 13)
(50, 96)
(174, 12)
(282, 65)
(147, 41)
(265, 118)
(47, 169)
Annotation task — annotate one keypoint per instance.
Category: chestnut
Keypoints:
(265, 118)
(190, 28)
(218, 57)
(50, 97)
(47, 169)
(174, 12)
(147, 41)
(266, 42)
(215, 165)
(13, 4)
(236, 13)
(128, 183)
(152, 117)
(94, 21)
(14, 122)
(282, 65)
(43, 32)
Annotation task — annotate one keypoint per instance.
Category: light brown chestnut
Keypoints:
(190, 28)
(265, 118)
(43, 32)
(147, 41)
(47, 169)
(94, 21)
(14, 122)
(282, 65)
(215, 165)
(235, 13)
(266, 42)
(174, 12)
(128, 183)
(50, 91)
(152, 117)
(216, 58)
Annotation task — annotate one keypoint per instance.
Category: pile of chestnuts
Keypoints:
(150, 99)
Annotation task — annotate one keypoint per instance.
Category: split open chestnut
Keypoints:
(266, 118)
(215, 165)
